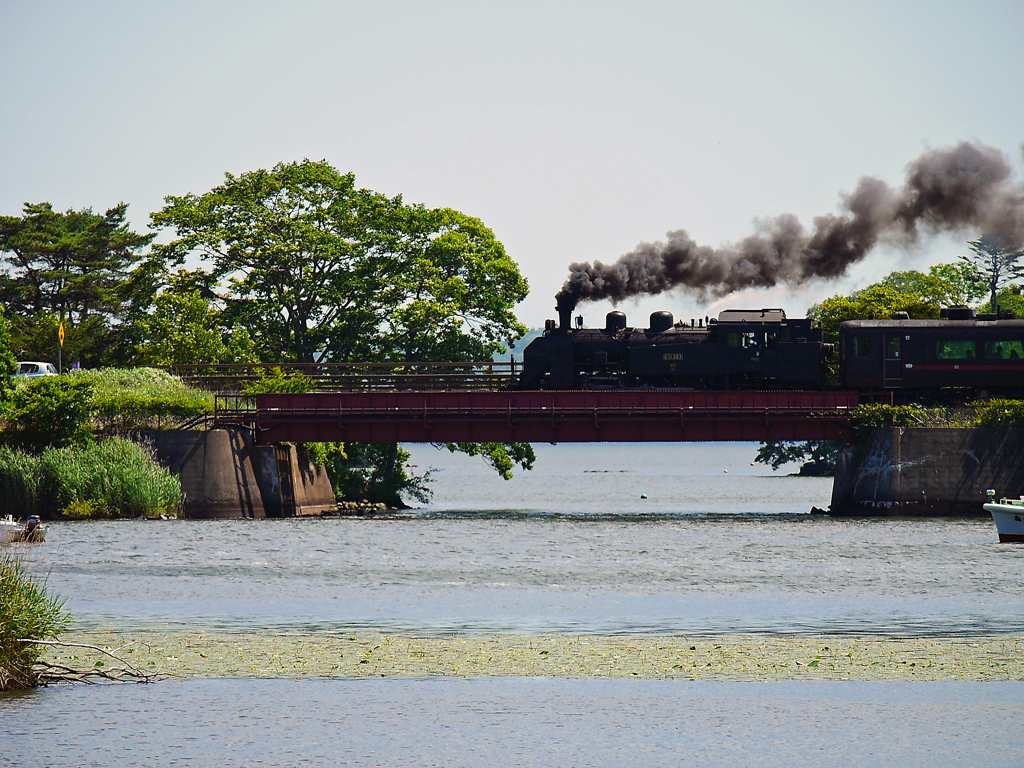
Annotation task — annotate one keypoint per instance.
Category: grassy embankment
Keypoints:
(98, 474)
(27, 613)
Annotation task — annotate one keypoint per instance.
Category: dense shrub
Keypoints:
(141, 398)
(876, 415)
(27, 612)
(50, 412)
(1001, 413)
(112, 477)
(280, 381)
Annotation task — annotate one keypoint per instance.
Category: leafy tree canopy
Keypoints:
(70, 266)
(876, 301)
(822, 454)
(321, 270)
(8, 363)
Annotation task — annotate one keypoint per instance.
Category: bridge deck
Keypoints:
(544, 416)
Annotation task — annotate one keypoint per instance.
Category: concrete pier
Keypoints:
(289, 483)
(908, 471)
(224, 475)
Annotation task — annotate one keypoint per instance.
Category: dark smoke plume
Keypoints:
(966, 187)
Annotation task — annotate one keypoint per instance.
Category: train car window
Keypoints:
(955, 349)
(750, 340)
(785, 334)
(860, 346)
(892, 348)
(732, 339)
(1004, 350)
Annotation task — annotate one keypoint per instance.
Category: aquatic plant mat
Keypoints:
(266, 654)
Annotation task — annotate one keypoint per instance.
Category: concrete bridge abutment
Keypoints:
(918, 471)
(224, 474)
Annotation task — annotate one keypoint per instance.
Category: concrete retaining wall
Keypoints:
(223, 475)
(917, 471)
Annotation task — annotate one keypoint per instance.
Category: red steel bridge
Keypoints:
(476, 402)
(541, 416)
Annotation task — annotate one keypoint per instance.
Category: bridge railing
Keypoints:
(396, 404)
(358, 377)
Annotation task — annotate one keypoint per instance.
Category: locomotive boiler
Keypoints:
(740, 349)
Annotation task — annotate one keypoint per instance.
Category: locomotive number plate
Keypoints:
(672, 356)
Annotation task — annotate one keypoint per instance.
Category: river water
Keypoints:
(598, 539)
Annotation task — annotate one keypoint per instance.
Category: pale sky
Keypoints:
(574, 130)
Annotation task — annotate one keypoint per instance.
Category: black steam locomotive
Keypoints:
(740, 349)
(763, 349)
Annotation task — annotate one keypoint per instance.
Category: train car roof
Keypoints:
(875, 324)
(752, 316)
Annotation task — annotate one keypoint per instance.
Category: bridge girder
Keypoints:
(552, 416)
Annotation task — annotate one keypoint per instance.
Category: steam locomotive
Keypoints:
(763, 349)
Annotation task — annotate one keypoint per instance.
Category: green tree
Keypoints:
(921, 296)
(879, 301)
(1009, 300)
(184, 329)
(8, 363)
(378, 473)
(997, 264)
(818, 456)
(186, 326)
(945, 285)
(320, 270)
(966, 283)
(67, 267)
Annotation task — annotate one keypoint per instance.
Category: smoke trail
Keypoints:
(968, 186)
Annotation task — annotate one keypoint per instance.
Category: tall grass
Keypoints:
(27, 612)
(110, 478)
(20, 475)
(141, 398)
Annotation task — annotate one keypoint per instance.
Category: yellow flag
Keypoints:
(60, 334)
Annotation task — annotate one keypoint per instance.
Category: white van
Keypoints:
(33, 370)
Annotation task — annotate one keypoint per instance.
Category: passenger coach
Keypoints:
(960, 351)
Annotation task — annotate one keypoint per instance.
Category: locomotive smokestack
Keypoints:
(966, 187)
(565, 304)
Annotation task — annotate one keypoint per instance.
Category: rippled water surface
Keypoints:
(717, 545)
(601, 560)
(517, 722)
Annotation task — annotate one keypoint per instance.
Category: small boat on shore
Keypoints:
(12, 530)
(1008, 515)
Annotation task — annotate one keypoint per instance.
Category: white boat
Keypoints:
(12, 530)
(1008, 515)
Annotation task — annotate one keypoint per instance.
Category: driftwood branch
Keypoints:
(46, 672)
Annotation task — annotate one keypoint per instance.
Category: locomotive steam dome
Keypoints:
(615, 321)
(660, 321)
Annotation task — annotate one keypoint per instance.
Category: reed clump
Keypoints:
(27, 613)
(108, 478)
